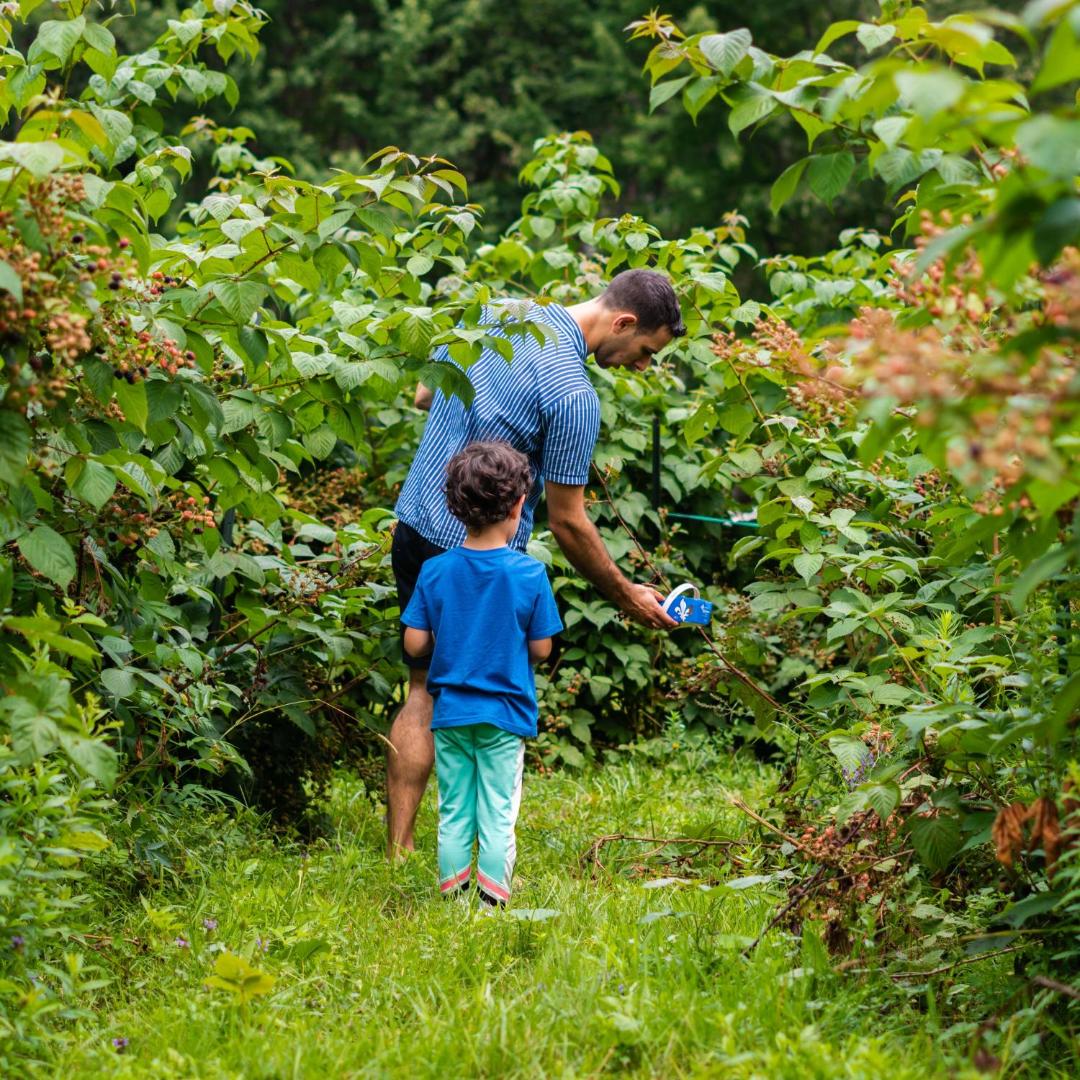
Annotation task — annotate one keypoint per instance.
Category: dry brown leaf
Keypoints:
(1045, 829)
(1007, 831)
(1070, 797)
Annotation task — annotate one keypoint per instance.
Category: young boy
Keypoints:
(486, 613)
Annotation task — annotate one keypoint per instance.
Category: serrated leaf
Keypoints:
(49, 554)
(57, 37)
(807, 565)
(787, 184)
(239, 298)
(664, 91)
(37, 158)
(724, 51)
(901, 166)
(753, 106)
(935, 839)
(851, 752)
(419, 265)
(14, 445)
(883, 799)
(320, 442)
(829, 174)
(872, 37)
(10, 281)
(94, 484)
(132, 399)
(93, 755)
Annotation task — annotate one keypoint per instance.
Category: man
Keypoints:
(544, 406)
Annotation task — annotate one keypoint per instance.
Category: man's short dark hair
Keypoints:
(648, 295)
(484, 481)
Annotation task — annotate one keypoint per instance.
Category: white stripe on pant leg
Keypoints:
(515, 807)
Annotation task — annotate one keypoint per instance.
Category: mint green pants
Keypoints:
(479, 769)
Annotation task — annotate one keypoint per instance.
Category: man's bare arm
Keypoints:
(418, 642)
(424, 396)
(582, 545)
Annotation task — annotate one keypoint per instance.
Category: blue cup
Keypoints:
(685, 605)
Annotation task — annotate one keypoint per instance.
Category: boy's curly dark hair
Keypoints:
(484, 481)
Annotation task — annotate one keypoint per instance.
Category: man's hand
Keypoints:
(577, 536)
(642, 604)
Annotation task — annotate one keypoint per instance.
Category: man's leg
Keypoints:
(408, 764)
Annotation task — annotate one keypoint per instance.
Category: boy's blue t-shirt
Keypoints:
(483, 608)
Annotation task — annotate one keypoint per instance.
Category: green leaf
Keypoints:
(1061, 63)
(701, 421)
(664, 91)
(49, 554)
(419, 265)
(93, 755)
(94, 484)
(1051, 143)
(901, 166)
(239, 298)
(10, 281)
(737, 419)
(37, 158)
(724, 51)
(163, 399)
(320, 442)
(787, 184)
(41, 630)
(954, 169)
(118, 681)
(852, 753)
(829, 174)
(1042, 569)
(883, 799)
(14, 445)
(807, 565)
(872, 37)
(935, 839)
(301, 270)
(1036, 904)
(1057, 228)
(928, 92)
(753, 106)
(99, 37)
(235, 975)
(57, 38)
(132, 399)
(836, 31)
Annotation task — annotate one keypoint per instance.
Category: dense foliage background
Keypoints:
(867, 443)
(478, 82)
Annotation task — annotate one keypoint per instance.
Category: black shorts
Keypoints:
(408, 552)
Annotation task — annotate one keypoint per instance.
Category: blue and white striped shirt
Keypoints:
(542, 404)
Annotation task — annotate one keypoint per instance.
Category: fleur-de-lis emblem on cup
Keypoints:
(682, 612)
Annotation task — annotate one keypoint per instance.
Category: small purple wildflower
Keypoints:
(17, 942)
(861, 772)
(209, 924)
(182, 943)
(261, 945)
(622, 988)
(120, 1044)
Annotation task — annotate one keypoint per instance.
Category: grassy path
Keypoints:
(375, 976)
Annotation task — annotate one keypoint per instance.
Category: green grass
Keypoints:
(624, 979)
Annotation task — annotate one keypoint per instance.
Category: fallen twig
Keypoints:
(739, 804)
(1052, 984)
(958, 963)
(592, 852)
